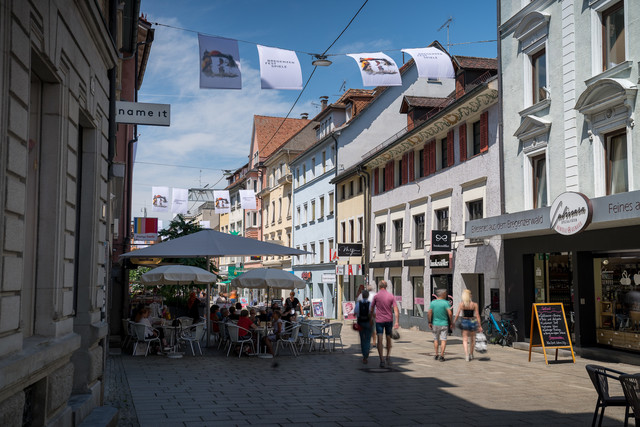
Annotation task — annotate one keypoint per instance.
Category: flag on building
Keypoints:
(432, 63)
(179, 201)
(145, 228)
(219, 63)
(248, 199)
(377, 69)
(160, 199)
(279, 68)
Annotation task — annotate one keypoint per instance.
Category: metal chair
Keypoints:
(335, 330)
(140, 331)
(631, 389)
(600, 378)
(317, 333)
(289, 337)
(235, 338)
(193, 334)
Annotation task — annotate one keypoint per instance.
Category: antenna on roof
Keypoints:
(447, 24)
(343, 87)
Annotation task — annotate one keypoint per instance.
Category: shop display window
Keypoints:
(617, 296)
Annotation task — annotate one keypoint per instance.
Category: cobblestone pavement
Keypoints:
(498, 388)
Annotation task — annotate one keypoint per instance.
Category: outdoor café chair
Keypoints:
(631, 389)
(289, 337)
(235, 339)
(600, 378)
(140, 329)
(193, 334)
(335, 330)
(128, 337)
(317, 333)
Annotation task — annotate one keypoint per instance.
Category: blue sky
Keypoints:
(211, 129)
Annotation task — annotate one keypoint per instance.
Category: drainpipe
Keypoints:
(367, 219)
(500, 120)
(335, 216)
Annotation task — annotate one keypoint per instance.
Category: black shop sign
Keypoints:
(349, 249)
(440, 240)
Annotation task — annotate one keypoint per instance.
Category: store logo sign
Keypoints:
(440, 240)
(570, 213)
(440, 261)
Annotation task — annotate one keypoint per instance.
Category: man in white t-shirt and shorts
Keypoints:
(372, 293)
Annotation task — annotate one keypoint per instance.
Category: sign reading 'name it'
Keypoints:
(140, 113)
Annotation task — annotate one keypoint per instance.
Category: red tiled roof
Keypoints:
(473, 62)
(267, 140)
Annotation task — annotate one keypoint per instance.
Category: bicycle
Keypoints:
(502, 331)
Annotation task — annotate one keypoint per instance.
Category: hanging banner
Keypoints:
(432, 63)
(160, 199)
(205, 224)
(179, 200)
(145, 228)
(222, 204)
(247, 199)
(219, 63)
(377, 69)
(279, 68)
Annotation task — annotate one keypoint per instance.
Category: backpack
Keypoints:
(363, 312)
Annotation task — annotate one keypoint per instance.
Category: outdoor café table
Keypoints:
(171, 332)
(261, 332)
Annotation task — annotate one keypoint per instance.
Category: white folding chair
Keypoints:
(289, 337)
(140, 330)
(335, 330)
(193, 334)
(235, 339)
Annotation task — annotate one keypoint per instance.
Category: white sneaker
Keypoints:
(467, 357)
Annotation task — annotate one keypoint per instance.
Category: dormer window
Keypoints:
(348, 112)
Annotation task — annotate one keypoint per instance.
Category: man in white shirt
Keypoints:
(372, 293)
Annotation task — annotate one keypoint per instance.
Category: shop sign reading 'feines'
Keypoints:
(570, 213)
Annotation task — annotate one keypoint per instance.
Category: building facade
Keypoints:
(571, 71)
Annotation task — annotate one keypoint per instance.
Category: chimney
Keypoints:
(323, 101)
(304, 116)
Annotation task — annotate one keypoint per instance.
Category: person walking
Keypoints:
(470, 323)
(372, 294)
(364, 319)
(384, 308)
(440, 316)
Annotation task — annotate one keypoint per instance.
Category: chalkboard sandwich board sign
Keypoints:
(549, 329)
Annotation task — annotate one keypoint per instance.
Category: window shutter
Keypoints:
(425, 160)
(404, 169)
(484, 131)
(392, 174)
(450, 154)
(388, 176)
(412, 159)
(376, 181)
(432, 154)
(462, 131)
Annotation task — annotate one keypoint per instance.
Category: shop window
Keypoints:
(613, 35)
(396, 288)
(539, 164)
(382, 231)
(616, 168)
(417, 284)
(539, 76)
(418, 238)
(398, 229)
(442, 219)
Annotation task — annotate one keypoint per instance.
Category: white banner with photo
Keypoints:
(179, 204)
(248, 199)
(279, 68)
(205, 224)
(432, 63)
(219, 63)
(222, 204)
(160, 199)
(377, 69)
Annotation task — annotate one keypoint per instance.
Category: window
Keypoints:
(313, 167)
(539, 182)
(280, 209)
(616, 167)
(299, 216)
(396, 286)
(613, 35)
(401, 171)
(312, 256)
(418, 296)
(418, 238)
(383, 176)
(397, 226)
(321, 247)
(330, 245)
(539, 76)
(288, 205)
(313, 210)
(297, 176)
(343, 228)
(305, 218)
(324, 161)
(321, 207)
(344, 191)
(304, 174)
(475, 140)
(382, 243)
(361, 185)
(351, 192)
(421, 163)
(273, 212)
(266, 215)
(474, 209)
(305, 258)
(443, 153)
(331, 203)
(352, 231)
(442, 219)
(360, 230)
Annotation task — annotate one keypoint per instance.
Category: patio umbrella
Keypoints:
(177, 275)
(263, 278)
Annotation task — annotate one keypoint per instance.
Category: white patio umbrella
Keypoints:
(263, 278)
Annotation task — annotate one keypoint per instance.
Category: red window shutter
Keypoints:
(462, 131)
(376, 181)
(392, 174)
(484, 131)
(388, 176)
(432, 154)
(450, 154)
(425, 160)
(403, 168)
(412, 171)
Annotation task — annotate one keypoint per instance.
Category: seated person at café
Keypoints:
(143, 317)
(239, 306)
(277, 331)
(233, 315)
(245, 322)
(224, 315)
(194, 307)
(254, 318)
(214, 313)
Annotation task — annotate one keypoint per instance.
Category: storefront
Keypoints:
(594, 272)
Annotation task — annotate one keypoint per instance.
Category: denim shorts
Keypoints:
(385, 327)
(469, 324)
